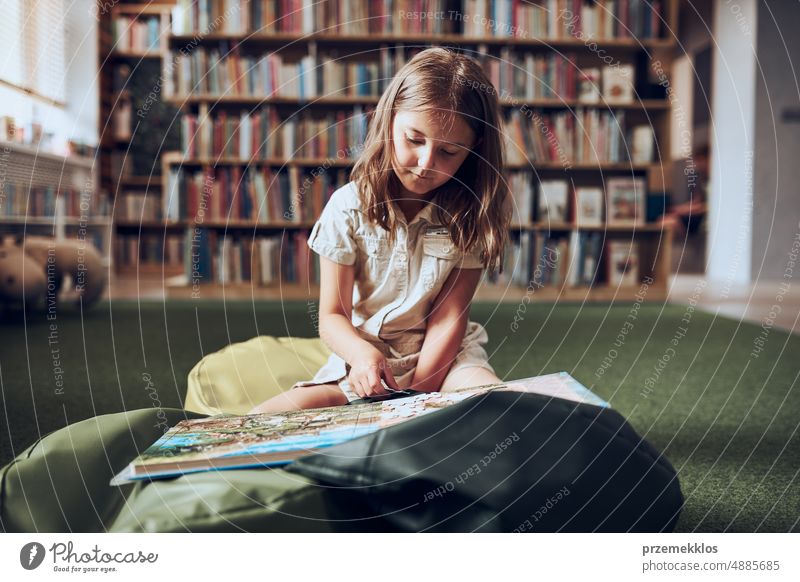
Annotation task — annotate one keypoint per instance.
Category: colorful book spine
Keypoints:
(545, 19)
(584, 136)
(263, 135)
(213, 257)
(248, 194)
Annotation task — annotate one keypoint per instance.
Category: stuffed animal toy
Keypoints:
(33, 270)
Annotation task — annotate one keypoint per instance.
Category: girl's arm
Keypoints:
(447, 323)
(337, 331)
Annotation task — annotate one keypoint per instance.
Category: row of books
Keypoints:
(253, 194)
(235, 17)
(531, 76)
(122, 119)
(21, 200)
(564, 19)
(132, 205)
(589, 252)
(264, 260)
(268, 195)
(138, 33)
(536, 260)
(584, 136)
(621, 202)
(554, 76)
(546, 19)
(132, 250)
(262, 134)
(224, 70)
(534, 135)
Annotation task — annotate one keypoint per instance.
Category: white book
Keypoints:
(625, 199)
(553, 198)
(643, 144)
(623, 263)
(171, 202)
(245, 136)
(178, 22)
(589, 206)
(618, 83)
(574, 256)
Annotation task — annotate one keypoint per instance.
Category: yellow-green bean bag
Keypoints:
(242, 375)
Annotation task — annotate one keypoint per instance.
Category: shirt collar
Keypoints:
(424, 214)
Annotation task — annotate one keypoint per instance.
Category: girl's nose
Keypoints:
(425, 161)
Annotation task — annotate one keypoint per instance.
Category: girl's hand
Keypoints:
(367, 368)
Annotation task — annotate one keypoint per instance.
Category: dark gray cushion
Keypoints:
(506, 462)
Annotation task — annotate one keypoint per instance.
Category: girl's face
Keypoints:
(428, 150)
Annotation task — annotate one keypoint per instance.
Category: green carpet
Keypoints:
(725, 416)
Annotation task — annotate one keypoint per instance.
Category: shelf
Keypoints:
(250, 225)
(214, 224)
(491, 293)
(141, 182)
(247, 224)
(425, 40)
(653, 251)
(51, 221)
(134, 55)
(149, 225)
(175, 159)
(39, 154)
(347, 100)
(149, 270)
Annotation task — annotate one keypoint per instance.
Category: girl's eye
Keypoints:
(410, 139)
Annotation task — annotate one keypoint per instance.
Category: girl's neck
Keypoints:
(411, 203)
(410, 208)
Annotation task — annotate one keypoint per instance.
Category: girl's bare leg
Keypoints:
(317, 396)
(468, 377)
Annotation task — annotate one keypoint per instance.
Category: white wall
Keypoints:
(79, 118)
(776, 193)
(732, 144)
(82, 74)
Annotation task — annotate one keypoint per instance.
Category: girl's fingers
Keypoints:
(389, 377)
(374, 383)
(355, 384)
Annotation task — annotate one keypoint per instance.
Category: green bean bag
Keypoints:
(438, 472)
(61, 484)
(242, 375)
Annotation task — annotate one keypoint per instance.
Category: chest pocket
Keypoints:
(440, 256)
(375, 251)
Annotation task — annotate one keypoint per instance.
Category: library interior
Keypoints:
(174, 186)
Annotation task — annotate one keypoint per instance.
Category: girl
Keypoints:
(403, 245)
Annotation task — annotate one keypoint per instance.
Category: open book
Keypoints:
(263, 440)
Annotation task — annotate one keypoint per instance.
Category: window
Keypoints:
(34, 37)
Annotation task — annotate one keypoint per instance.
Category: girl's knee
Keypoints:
(469, 377)
(303, 397)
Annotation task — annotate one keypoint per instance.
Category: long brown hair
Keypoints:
(474, 204)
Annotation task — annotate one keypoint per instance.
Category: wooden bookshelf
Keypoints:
(52, 195)
(117, 52)
(653, 241)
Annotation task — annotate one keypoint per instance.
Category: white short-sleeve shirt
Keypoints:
(395, 285)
